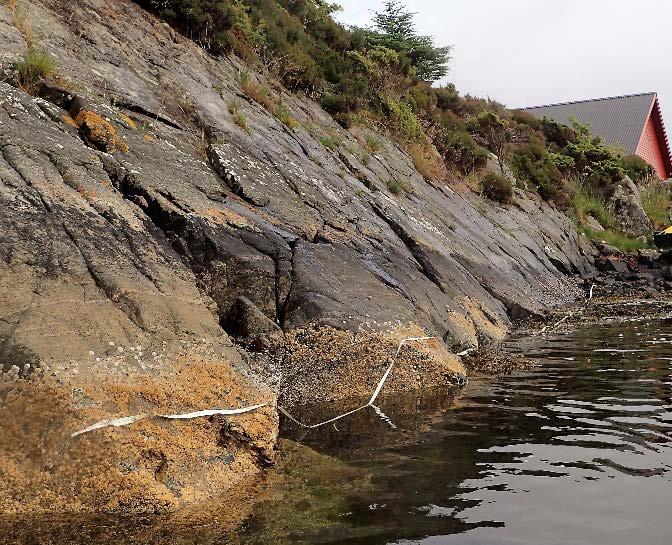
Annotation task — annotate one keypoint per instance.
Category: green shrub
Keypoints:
(493, 131)
(34, 67)
(534, 164)
(525, 118)
(592, 160)
(497, 188)
(404, 123)
(459, 150)
(637, 168)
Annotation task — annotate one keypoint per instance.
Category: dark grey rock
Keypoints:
(648, 257)
(245, 320)
(625, 204)
(667, 272)
(612, 264)
(607, 249)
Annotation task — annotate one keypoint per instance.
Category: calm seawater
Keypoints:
(575, 451)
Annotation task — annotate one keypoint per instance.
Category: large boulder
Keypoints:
(625, 203)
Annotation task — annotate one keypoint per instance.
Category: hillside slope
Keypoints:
(137, 208)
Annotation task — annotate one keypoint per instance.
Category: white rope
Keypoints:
(126, 420)
(375, 394)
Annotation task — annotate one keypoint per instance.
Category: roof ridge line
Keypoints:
(588, 100)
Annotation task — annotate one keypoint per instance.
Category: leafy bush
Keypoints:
(592, 160)
(459, 150)
(637, 168)
(403, 121)
(34, 67)
(497, 188)
(493, 131)
(525, 118)
(533, 163)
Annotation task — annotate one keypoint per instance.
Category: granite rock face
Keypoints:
(135, 213)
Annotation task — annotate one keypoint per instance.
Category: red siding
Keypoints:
(651, 148)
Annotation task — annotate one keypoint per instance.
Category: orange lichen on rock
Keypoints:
(228, 217)
(126, 119)
(326, 364)
(150, 466)
(100, 132)
(69, 121)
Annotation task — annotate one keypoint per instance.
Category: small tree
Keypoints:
(495, 133)
(394, 29)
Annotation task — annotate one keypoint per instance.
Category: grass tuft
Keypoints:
(656, 201)
(587, 202)
(330, 142)
(285, 117)
(622, 242)
(396, 187)
(33, 68)
(373, 143)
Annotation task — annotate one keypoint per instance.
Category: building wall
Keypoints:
(650, 149)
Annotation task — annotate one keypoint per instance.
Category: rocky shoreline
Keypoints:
(158, 258)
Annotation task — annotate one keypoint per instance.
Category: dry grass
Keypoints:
(22, 20)
(260, 94)
(428, 163)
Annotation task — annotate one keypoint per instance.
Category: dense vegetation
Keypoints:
(382, 76)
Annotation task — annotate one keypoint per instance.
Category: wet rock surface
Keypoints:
(136, 213)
